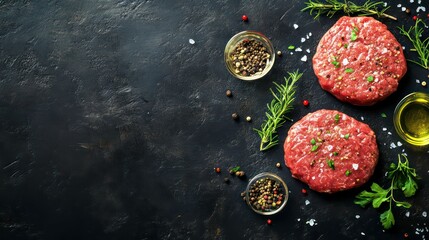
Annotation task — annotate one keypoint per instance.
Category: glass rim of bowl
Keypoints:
(396, 118)
(276, 178)
(234, 40)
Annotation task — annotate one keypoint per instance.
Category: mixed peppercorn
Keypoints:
(266, 195)
(249, 57)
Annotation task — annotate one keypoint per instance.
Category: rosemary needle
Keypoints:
(330, 7)
(279, 106)
(420, 46)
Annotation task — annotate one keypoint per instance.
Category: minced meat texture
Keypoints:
(359, 61)
(331, 151)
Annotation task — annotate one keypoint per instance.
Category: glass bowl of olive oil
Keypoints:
(411, 118)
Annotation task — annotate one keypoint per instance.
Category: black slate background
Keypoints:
(111, 123)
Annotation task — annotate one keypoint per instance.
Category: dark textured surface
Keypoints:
(111, 124)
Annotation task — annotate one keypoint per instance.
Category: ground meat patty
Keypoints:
(331, 151)
(359, 61)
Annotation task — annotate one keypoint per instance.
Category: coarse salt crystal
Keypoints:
(191, 41)
(362, 233)
(307, 50)
(345, 61)
(295, 26)
(417, 81)
(362, 118)
(357, 216)
(407, 214)
(403, 9)
(424, 214)
(389, 133)
(306, 36)
(384, 129)
(399, 5)
(411, 1)
(299, 219)
(307, 202)
(302, 40)
(392, 145)
(309, 34)
(311, 222)
(419, 1)
(384, 50)
(291, 53)
(355, 166)
(399, 143)
(298, 49)
(304, 59)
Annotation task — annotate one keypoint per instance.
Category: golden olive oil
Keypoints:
(412, 119)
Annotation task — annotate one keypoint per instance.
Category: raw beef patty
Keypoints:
(359, 61)
(331, 151)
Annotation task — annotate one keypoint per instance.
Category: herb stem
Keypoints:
(414, 34)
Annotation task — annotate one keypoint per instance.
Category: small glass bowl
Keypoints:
(250, 35)
(283, 189)
(414, 106)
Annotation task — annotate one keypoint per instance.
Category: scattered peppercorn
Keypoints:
(248, 118)
(228, 93)
(234, 116)
(217, 170)
(407, 11)
(244, 18)
(243, 194)
(278, 165)
(405, 235)
(249, 57)
(415, 18)
(279, 53)
(303, 191)
(424, 83)
(269, 221)
(305, 103)
(239, 173)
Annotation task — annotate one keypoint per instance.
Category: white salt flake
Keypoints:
(407, 214)
(392, 145)
(299, 219)
(298, 49)
(306, 36)
(403, 47)
(411, 1)
(304, 59)
(309, 34)
(311, 222)
(295, 26)
(384, 129)
(307, 50)
(291, 53)
(307, 202)
(417, 81)
(399, 143)
(385, 4)
(355, 166)
(389, 133)
(357, 216)
(302, 40)
(362, 118)
(424, 214)
(345, 61)
(419, 1)
(362, 233)
(399, 5)
(191, 41)
(403, 9)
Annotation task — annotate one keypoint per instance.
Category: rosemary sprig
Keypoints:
(279, 106)
(414, 34)
(330, 7)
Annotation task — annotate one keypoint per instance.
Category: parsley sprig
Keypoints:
(403, 178)
(279, 106)
(414, 34)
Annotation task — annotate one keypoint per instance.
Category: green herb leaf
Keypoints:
(314, 148)
(354, 34)
(346, 45)
(291, 47)
(335, 62)
(337, 118)
(347, 136)
(313, 141)
(347, 173)
(383, 115)
(234, 169)
(349, 70)
(421, 46)
(331, 7)
(331, 164)
(370, 78)
(387, 219)
(281, 104)
(335, 153)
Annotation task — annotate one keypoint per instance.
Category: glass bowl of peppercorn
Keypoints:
(249, 55)
(266, 193)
